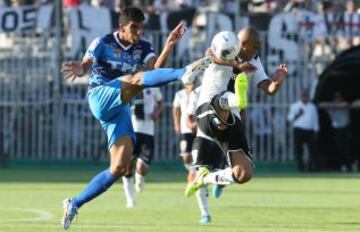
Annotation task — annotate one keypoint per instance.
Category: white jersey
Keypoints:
(193, 100)
(181, 100)
(216, 78)
(147, 101)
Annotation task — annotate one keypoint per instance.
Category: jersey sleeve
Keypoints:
(176, 102)
(148, 52)
(259, 75)
(95, 49)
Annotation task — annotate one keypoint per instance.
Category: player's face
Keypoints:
(132, 31)
(248, 51)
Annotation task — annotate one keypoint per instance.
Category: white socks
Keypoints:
(222, 177)
(129, 191)
(139, 182)
(202, 199)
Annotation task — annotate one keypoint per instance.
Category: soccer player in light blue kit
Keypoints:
(114, 59)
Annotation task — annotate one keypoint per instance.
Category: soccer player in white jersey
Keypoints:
(212, 149)
(181, 128)
(146, 109)
(216, 118)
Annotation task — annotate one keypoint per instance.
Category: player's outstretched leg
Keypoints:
(70, 211)
(99, 184)
(241, 87)
(162, 76)
(120, 153)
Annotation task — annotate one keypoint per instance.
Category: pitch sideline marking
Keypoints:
(42, 215)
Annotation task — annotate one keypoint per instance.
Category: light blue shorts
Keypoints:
(115, 116)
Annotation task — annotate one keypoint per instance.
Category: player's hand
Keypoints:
(244, 67)
(73, 69)
(280, 73)
(155, 115)
(176, 34)
(177, 130)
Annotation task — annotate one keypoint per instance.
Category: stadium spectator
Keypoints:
(339, 113)
(262, 6)
(71, 3)
(119, 5)
(186, 133)
(304, 118)
(5, 3)
(350, 23)
(146, 110)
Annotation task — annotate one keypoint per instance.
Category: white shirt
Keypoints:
(309, 120)
(216, 78)
(340, 117)
(193, 100)
(181, 100)
(151, 97)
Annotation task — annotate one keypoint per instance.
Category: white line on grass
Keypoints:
(41, 215)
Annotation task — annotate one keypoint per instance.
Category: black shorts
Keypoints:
(144, 148)
(208, 153)
(186, 142)
(230, 139)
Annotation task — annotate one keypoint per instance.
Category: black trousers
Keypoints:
(343, 144)
(305, 137)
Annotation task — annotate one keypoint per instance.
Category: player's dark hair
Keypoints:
(131, 14)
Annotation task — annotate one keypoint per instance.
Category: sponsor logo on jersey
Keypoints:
(117, 52)
(137, 54)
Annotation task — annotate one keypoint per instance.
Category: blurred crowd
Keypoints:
(332, 22)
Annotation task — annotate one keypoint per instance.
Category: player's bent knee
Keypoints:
(242, 174)
(142, 170)
(187, 158)
(117, 170)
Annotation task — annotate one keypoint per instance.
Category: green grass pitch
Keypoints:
(30, 200)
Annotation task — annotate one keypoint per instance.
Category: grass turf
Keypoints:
(30, 200)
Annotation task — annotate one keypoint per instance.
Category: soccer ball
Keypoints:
(225, 45)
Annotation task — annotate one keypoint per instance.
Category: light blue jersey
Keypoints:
(111, 60)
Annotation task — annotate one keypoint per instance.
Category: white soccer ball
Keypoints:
(225, 45)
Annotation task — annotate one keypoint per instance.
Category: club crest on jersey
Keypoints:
(117, 52)
(137, 54)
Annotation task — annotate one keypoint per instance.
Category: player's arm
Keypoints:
(191, 122)
(190, 111)
(160, 62)
(159, 107)
(271, 86)
(174, 37)
(158, 110)
(74, 69)
(176, 112)
(237, 65)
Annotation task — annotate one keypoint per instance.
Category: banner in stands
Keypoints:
(17, 19)
(286, 31)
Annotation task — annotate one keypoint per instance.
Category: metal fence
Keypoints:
(42, 117)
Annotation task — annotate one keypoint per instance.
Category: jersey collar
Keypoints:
(116, 36)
